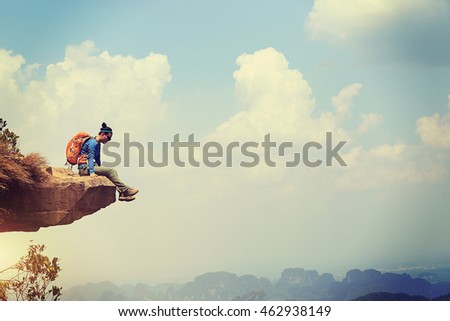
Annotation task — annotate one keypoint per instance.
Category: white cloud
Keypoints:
(388, 165)
(435, 130)
(10, 66)
(343, 101)
(352, 17)
(403, 29)
(334, 19)
(278, 100)
(127, 87)
(80, 92)
(9, 70)
(369, 121)
(385, 151)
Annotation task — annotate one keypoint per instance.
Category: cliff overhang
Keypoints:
(60, 199)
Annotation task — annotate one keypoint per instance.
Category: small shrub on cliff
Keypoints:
(34, 164)
(15, 169)
(10, 141)
(12, 172)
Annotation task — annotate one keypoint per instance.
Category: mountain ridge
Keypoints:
(293, 284)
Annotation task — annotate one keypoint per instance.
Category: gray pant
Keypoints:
(111, 173)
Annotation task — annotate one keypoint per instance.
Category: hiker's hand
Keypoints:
(93, 175)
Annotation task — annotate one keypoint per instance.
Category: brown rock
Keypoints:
(63, 198)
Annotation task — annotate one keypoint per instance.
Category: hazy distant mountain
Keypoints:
(221, 286)
(433, 274)
(359, 283)
(107, 291)
(104, 291)
(300, 284)
(293, 284)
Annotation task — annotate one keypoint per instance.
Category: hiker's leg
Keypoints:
(111, 173)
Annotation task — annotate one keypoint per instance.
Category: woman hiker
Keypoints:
(89, 163)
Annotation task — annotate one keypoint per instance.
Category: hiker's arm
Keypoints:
(97, 158)
(91, 157)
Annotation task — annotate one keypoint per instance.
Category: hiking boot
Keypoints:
(130, 192)
(124, 198)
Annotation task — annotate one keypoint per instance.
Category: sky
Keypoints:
(374, 74)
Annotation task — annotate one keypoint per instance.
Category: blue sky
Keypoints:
(374, 74)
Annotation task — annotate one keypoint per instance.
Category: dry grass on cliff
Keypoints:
(16, 170)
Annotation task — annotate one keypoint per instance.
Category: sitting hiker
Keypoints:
(89, 163)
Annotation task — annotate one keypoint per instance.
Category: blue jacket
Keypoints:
(92, 149)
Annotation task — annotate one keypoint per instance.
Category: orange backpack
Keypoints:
(74, 146)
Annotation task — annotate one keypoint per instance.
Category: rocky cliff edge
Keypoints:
(61, 198)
